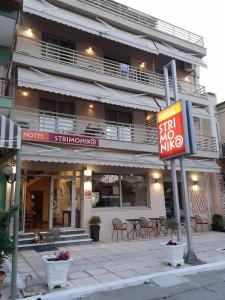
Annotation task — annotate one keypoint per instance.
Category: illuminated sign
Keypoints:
(174, 131)
(41, 136)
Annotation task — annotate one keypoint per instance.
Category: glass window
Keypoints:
(133, 190)
(105, 190)
(118, 190)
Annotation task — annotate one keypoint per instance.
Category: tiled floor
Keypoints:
(107, 262)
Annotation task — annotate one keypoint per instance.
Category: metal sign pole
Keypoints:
(173, 168)
(16, 226)
(191, 257)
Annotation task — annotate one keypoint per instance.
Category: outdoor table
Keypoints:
(158, 228)
(134, 223)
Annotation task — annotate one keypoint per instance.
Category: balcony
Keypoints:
(131, 137)
(102, 70)
(145, 20)
(5, 101)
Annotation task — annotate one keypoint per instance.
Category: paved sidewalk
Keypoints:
(107, 262)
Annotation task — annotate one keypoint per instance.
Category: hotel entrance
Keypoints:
(50, 201)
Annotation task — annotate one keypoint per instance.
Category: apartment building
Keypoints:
(220, 108)
(8, 19)
(88, 83)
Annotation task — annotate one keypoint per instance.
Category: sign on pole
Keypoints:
(174, 135)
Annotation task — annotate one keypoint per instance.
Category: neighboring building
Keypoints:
(88, 84)
(8, 18)
(221, 121)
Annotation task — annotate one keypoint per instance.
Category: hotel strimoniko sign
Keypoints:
(176, 130)
(49, 137)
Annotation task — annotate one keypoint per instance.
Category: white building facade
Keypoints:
(88, 84)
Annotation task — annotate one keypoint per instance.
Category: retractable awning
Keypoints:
(98, 157)
(110, 158)
(38, 80)
(94, 26)
(170, 51)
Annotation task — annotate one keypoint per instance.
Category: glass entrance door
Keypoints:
(62, 202)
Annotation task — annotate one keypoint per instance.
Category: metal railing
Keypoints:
(206, 143)
(103, 129)
(3, 87)
(146, 20)
(100, 65)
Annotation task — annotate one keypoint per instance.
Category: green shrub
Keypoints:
(6, 246)
(95, 220)
(218, 219)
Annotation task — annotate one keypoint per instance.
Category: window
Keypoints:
(57, 49)
(120, 66)
(106, 190)
(118, 190)
(121, 131)
(133, 190)
(51, 122)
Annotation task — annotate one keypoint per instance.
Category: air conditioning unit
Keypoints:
(187, 67)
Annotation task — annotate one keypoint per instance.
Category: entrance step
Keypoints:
(66, 238)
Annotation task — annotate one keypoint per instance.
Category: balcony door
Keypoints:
(119, 125)
(56, 116)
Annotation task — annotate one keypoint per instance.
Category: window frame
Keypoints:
(120, 192)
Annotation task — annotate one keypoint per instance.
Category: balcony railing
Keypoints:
(146, 20)
(3, 87)
(100, 65)
(103, 129)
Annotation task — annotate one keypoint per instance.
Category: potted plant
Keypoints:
(173, 251)
(218, 222)
(56, 268)
(95, 228)
(6, 246)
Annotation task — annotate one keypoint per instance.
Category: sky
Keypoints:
(203, 17)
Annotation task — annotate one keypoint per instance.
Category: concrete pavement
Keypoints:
(113, 262)
(205, 285)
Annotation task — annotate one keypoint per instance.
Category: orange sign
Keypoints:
(171, 131)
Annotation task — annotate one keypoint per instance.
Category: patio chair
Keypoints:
(200, 221)
(147, 226)
(119, 226)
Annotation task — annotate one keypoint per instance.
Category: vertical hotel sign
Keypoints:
(174, 131)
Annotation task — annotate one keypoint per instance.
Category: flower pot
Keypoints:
(173, 255)
(56, 271)
(2, 278)
(94, 230)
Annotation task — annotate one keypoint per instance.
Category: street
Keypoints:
(208, 285)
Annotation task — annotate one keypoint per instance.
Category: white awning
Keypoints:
(97, 27)
(200, 113)
(198, 165)
(170, 51)
(38, 80)
(34, 152)
(94, 157)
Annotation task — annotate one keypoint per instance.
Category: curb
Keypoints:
(74, 293)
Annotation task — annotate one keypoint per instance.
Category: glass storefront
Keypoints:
(111, 190)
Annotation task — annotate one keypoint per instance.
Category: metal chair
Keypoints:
(119, 226)
(144, 224)
(200, 221)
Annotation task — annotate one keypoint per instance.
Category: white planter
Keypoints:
(174, 255)
(56, 271)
